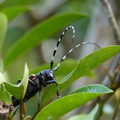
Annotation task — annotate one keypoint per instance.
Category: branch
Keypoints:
(113, 23)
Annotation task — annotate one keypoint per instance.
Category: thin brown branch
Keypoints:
(104, 98)
(116, 33)
(116, 109)
(112, 20)
(22, 110)
(108, 74)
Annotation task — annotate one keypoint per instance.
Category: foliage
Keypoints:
(74, 70)
(75, 99)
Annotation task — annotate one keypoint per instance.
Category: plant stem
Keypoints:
(22, 110)
(100, 109)
(113, 23)
(39, 109)
(116, 33)
(116, 109)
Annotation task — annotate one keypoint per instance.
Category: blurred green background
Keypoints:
(23, 15)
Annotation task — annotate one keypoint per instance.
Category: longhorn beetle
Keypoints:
(46, 77)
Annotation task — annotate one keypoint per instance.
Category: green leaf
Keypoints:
(3, 28)
(2, 78)
(94, 88)
(78, 117)
(12, 12)
(18, 91)
(15, 90)
(4, 95)
(91, 74)
(1, 65)
(24, 82)
(86, 64)
(8, 3)
(70, 102)
(90, 116)
(39, 33)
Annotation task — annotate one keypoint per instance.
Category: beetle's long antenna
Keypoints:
(58, 42)
(64, 57)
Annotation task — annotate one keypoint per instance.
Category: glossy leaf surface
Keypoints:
(39, 33)
(80, 97)
(86, 64)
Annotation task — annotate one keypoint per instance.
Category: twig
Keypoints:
(108, 74)
(113, 23)
(103, 99)
(22, 110)
(116, 33)
(116, 109)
